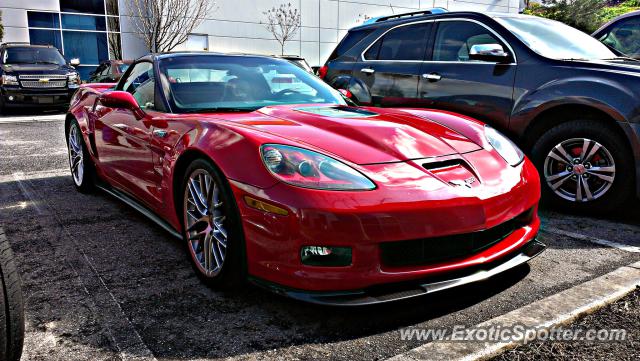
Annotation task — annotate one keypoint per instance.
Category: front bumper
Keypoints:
(412, 208)
(395, 292)
(17, 97)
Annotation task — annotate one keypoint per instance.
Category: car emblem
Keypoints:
(464, 183)
(43, 80)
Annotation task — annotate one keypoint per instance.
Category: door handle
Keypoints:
(367, 70)
(432, 76)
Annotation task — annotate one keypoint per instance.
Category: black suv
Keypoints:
(35, 76)
(572, 103)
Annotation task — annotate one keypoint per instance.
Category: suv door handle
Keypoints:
(367, 70)
(432, 76)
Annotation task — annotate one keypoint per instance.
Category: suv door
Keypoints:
(390, 67)
(451, 81)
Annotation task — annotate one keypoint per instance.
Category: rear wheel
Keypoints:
(82, 170)
(212, 229)
(584, 166)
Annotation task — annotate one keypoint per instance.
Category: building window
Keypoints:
(45, 37)
(43, 20)
(82, 6)
(83, 22)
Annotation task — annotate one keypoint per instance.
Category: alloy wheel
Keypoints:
(579, 170)
(76, 160)
(204, 218)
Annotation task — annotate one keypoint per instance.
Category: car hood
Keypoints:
(361, 135)
(37, 68)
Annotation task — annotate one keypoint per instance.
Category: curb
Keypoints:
(555, 310)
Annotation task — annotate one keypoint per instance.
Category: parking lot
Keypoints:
(101, 282)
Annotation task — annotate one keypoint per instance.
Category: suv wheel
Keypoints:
(584, 166)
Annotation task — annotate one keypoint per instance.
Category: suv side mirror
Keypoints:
(489, 52)
(123, 100)
(74, 62)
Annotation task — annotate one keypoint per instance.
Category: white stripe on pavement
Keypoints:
(32, 118)
(50, 173)
(600, 241)
(556, 310)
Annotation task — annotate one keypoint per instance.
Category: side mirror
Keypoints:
(347, 94)
(489, 52)
(74, 62)
(122, 100)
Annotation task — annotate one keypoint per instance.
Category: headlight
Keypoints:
(9, 79)
(74, 80)
(504, 146)
(304, 168)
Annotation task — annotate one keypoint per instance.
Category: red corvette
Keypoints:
(270, 175)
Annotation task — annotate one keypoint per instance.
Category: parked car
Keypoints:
(299, 192)
(299, 61)
(622, 34)
(109, 71)
(572, 103)
(35, 76)
(11, 304)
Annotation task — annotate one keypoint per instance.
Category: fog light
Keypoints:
(325, 256)
(11, 97)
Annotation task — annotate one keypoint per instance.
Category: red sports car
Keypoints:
(268, 174)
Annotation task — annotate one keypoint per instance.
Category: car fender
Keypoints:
(612, 97)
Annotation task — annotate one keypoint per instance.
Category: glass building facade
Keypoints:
(85, 29)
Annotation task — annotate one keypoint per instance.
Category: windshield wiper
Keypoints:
(622, 58)
(219, 110)
(44, 62)
(575, 59)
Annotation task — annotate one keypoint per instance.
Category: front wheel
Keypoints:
(585, 166)
(211, 223)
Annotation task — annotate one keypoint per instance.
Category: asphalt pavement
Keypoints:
(101, 282)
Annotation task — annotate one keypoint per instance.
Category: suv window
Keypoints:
(141, 84)
(352, 38)
(32, 55)
(624, 36)
(455, 38)
(403, 43)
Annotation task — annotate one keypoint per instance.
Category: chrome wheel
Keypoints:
(76, 161)
(579, 170)
(204, 219)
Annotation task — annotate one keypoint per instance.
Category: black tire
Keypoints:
(88, 179)
(623, 185)
(233, 271)
(11, 305)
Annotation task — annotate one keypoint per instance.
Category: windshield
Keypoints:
(555, 40)
(218, 83)
(123, 67)
(31, 55)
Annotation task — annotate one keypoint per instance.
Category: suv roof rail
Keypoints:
(16, 42)
(431, 11)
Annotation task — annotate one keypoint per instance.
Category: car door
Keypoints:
(123, 139)
(390, 67)
(452, 81)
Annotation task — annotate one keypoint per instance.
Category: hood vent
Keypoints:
(443, 164)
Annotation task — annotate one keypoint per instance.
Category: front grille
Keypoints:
(439, 249)
(42, 81)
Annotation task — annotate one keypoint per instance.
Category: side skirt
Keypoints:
(140, 208)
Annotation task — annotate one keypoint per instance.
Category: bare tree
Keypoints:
(283, 23)
(1, 27)
(165, 24)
